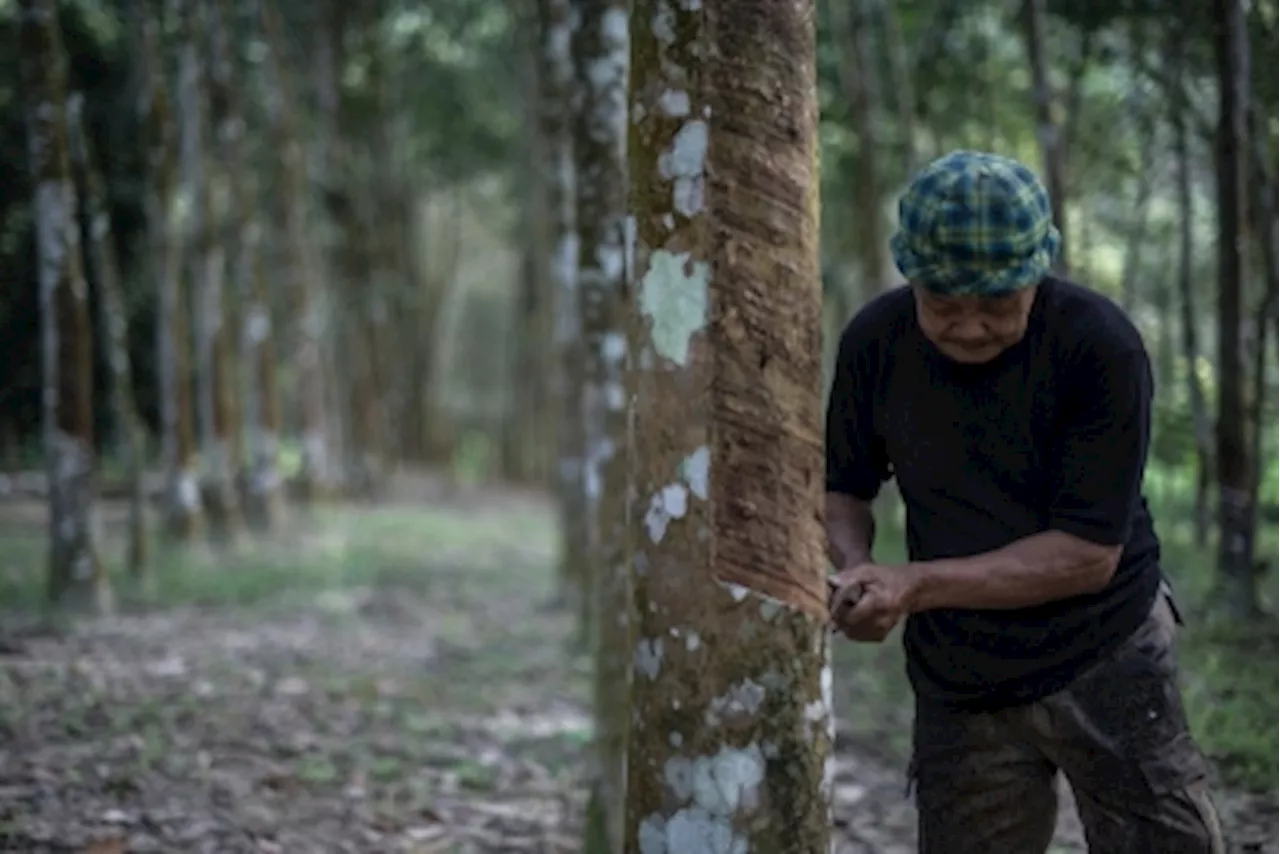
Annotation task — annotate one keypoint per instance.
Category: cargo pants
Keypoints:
(984, 782)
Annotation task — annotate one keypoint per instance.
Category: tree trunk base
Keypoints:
(222, 512)
(595, 839)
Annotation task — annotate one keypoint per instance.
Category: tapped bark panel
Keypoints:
(765, 313)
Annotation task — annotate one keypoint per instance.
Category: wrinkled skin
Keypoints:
(973, 329)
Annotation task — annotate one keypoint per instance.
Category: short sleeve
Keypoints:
(1102, 450)
(857, 463)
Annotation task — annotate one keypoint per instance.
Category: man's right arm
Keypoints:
(856, 461)
(851, 530)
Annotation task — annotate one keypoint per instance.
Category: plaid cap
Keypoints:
(973, 223)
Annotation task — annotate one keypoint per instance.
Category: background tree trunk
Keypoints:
(314, 477)
(207, 265)
(1047, 130)
(600, 136)
(1235, 516)
(861, 89)
(100, 256)
(76, 575)
(1202, 427)
(260, 407)
(731, 724)
(558, 103)
(165, 224)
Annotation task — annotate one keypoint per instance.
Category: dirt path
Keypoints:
(391, 684)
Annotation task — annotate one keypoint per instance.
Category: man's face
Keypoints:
(973, 329)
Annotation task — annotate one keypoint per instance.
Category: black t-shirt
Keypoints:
(1051, 435)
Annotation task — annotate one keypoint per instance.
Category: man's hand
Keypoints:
(868, 600)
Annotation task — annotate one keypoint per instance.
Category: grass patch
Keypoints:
(467, 555)
(1229, 672)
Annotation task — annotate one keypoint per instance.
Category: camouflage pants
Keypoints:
(985, 781)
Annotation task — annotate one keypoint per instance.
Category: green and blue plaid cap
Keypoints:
(973, 223)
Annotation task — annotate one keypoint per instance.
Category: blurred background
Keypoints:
(304, 305)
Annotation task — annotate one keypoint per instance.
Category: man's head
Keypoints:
(975, 237)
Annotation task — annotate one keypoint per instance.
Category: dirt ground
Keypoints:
(381, 680)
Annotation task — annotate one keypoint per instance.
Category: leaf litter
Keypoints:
(443, 715)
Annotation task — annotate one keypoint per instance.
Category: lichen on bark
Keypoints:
(731, 727)
(75, 572)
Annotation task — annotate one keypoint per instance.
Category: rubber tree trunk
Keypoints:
(100, 256)
(207, 265)
(1047, 131)
(184, 517)
(1235, 515)
(1190, 338)
(260, 402)
(731, 722)
(75, 572)
(556, 101)
(601, 54)
(305, 297)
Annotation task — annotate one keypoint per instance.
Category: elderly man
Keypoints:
(1013, 409)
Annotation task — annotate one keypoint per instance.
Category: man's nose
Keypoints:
(969, 331)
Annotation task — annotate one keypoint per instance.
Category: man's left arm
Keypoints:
(1100, 463)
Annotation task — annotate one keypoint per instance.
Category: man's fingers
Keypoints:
(845, 597)
(862, 608)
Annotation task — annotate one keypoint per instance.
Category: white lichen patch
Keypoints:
(692, 641)
(598, 456)
(629, 248)
(674, 103)
(729, 781)
(815, 711)
(683, 165)
(671, 502)
(648, 657)
(664, 24)
(613, 347)
(713, 791)
(695, 469)
(770, 607)
(740, 700)
(673, 295)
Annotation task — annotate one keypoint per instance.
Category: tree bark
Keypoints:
(1235, 516)
(1202, 426)
(314, 477)
(75, 573)
(557, 102)
(601, 53)
(731, 725)
(904, 90)
(183, 511)
(861, 89)
(260, 402)
(531, 434)
(100, 256)
(215, 414)
(1263, 209)
(1047, 130)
